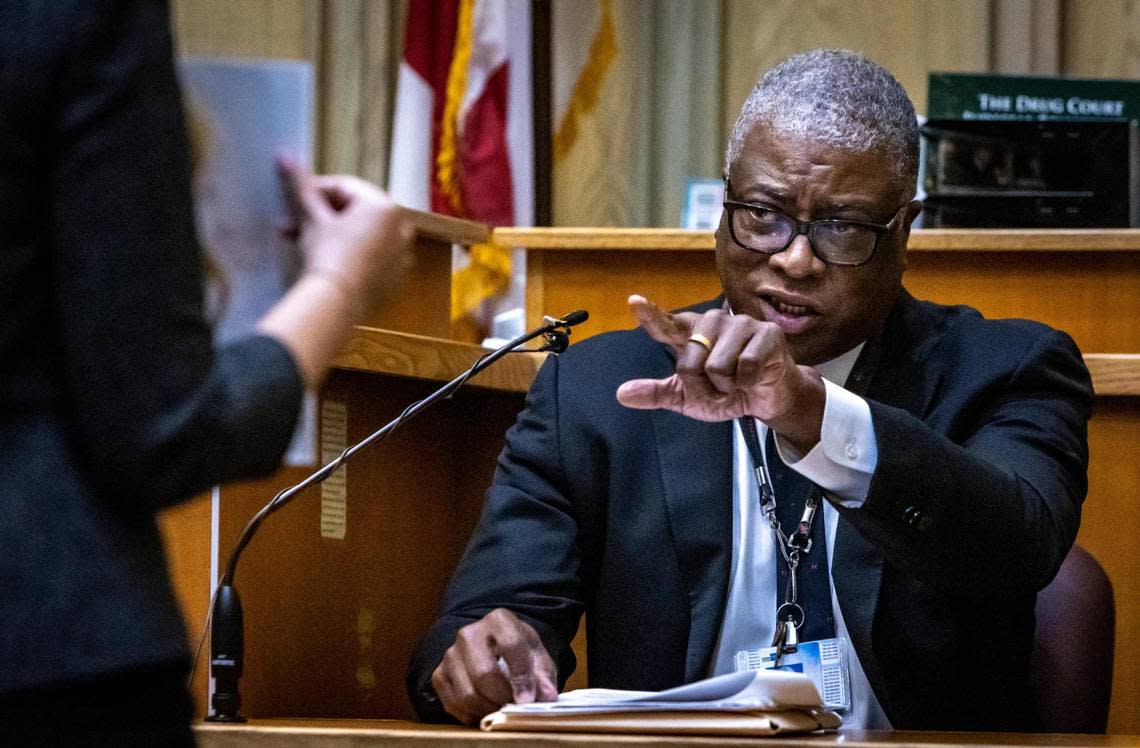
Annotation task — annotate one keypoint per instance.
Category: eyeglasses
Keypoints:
(835, 241)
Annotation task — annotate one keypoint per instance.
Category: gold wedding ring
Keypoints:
(702, 341)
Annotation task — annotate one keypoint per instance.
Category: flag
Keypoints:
(462, 141)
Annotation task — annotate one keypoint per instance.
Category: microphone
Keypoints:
(558, 340)
(227, 648)
(576, 317)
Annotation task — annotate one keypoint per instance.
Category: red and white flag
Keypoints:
(463, 136)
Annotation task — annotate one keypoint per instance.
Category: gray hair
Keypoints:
(837, 97)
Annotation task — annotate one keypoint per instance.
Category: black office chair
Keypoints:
(1071, 667)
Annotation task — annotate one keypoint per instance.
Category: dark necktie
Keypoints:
(813, 579)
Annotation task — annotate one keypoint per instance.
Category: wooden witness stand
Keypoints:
(330, 624)
(399, 734)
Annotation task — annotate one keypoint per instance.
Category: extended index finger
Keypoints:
(664, 327)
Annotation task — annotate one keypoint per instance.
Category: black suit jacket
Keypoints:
(113, 401)
(627, 515)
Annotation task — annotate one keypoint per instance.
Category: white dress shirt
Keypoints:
(842, 462)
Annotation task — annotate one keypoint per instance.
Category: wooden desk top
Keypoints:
(922, 240)
(420, 357)
(446, 228)
(331, 733)
(406, 355)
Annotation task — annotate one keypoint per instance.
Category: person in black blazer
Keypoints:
(614, 495)
(114, 402)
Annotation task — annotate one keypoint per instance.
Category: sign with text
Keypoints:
(1013, 97)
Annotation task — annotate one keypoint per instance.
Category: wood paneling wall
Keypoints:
(682, 71)
(684, 68)
(359, 59)
(353, 44)
(1101, 38)
(726, 45)
(909, 38)
(1026, 37)
(248, 28)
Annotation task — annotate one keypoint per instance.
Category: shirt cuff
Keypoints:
(846, 456)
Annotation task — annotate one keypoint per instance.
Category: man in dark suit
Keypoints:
(948, 454)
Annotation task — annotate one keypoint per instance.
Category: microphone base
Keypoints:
(232, 718)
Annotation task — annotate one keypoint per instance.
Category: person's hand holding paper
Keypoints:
(350, 232)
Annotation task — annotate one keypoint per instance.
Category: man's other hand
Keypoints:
(729, 366)
(470, 681)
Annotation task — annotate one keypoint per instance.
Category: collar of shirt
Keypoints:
(839, 368)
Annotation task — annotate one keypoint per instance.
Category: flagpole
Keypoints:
(541, 51)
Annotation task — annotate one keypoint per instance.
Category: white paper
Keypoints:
(241, 116)
(762, 690)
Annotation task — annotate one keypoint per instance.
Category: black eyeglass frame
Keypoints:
(807, 227)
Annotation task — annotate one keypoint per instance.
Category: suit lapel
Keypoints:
(893, 370)
(696, 473)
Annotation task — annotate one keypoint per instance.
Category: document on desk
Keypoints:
(763, 702)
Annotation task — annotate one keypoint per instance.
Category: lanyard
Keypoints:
(789, 615)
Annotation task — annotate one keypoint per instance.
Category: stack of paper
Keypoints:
(764, 702)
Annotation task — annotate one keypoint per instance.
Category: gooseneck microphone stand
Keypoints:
(226, 625)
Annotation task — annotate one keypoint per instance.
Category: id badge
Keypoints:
(824, 661)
